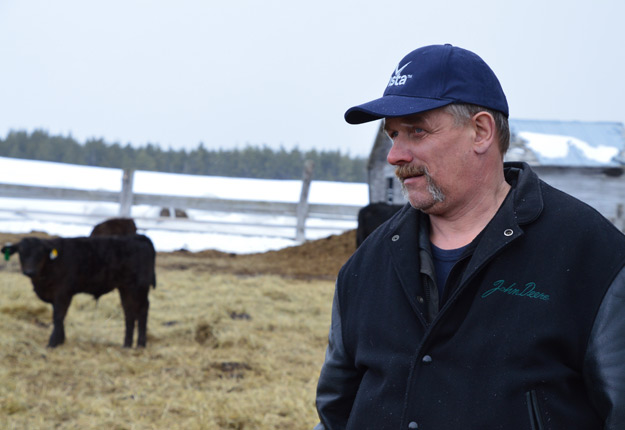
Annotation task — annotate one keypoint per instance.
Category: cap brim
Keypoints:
(391, 106)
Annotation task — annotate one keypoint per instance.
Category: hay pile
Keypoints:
(319, 259)
(234, 342)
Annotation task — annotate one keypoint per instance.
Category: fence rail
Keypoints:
(126, 198)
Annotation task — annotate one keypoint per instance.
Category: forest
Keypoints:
(252, 161)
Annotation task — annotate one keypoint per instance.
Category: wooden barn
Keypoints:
(584, 159)
(384, 187)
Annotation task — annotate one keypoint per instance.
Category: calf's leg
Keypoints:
(59, 310)
(136, 304)
(130, 328)
(130, 315)
(143, 322)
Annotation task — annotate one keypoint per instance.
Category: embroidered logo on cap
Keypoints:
(399, 79)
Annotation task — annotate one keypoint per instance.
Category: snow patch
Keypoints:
(551, 146)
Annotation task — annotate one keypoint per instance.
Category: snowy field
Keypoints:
(19, 215)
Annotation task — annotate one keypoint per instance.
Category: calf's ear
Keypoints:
(8, 250)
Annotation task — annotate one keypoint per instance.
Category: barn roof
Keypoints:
(567, 143)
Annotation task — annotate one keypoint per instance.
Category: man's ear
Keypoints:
(485, 132)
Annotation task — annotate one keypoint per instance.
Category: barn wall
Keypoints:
(601, 188)
(384, 187)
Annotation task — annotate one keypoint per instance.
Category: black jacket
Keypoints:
(530, 333)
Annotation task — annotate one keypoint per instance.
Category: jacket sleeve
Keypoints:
(604, 365)
(339, 379)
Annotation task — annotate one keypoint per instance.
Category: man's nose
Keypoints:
(399, 153)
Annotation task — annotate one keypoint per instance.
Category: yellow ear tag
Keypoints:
(53, 254)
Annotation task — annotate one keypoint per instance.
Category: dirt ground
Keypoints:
(318, 259)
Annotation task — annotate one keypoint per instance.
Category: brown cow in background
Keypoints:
(115, 227)
(371, 217)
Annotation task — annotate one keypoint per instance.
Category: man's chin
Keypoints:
(423, 206)
(421, 203)
(428, 204)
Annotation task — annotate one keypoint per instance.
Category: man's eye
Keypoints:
(393, 134)
(417, 130)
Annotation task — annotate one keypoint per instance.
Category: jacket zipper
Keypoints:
(536, 420)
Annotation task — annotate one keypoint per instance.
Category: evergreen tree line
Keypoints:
(249, 162)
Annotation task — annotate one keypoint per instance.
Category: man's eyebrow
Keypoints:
(412, 123)
(415, 120)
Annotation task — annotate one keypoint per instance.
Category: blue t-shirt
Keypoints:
(444, 260)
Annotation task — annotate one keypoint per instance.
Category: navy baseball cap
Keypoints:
(431, 77)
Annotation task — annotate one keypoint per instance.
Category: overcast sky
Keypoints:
(283, 72)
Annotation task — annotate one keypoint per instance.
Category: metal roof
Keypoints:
(582, 140)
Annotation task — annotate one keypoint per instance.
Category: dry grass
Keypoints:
(233, 343)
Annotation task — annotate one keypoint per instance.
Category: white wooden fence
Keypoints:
(296, 213)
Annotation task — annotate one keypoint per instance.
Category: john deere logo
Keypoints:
(528, 290)
(399, 79)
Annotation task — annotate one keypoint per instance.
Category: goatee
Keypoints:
(408, 170)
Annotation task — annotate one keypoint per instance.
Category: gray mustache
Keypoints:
(407, 171)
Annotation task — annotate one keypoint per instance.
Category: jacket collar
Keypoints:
(527, 200)
(522, 206)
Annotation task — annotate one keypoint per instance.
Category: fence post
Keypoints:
(125, 198)
(302, 207)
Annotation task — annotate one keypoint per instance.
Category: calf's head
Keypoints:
(34, 254)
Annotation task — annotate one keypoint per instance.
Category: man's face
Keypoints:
(430, 154)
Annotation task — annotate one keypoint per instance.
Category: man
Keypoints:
(492, 300)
